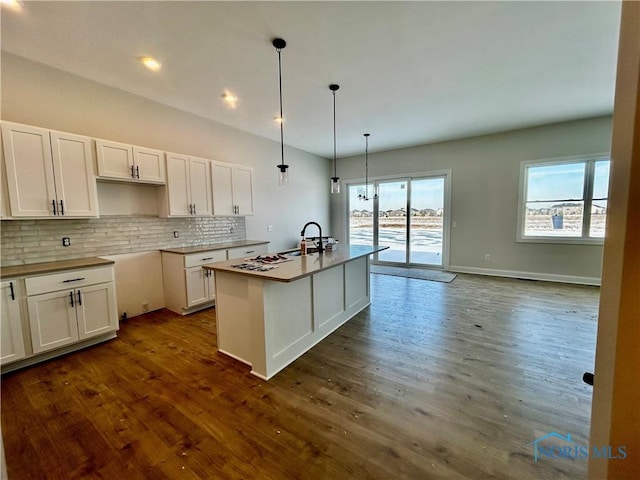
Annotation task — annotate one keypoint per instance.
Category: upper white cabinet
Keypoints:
(11, 332)
(48, 173)
(119, 161)
(188, 191)
(232, 189)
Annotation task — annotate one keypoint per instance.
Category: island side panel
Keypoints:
(356, 281)
(234, 305)
(328, 296)
(289, 327)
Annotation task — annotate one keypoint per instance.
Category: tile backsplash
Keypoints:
(33, 241)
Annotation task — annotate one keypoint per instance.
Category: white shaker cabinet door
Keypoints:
(52, 317)
(222, 174)
(96, 310)
(243, 189)
(178, 185)
(200, 186)
(149, 165)
(115, 160)
(197, 286)
(75, 180)
(11, 332)
(29, 169)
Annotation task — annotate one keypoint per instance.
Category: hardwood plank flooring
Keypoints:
(432, 381)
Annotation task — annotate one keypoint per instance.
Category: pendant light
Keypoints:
(365, 196)
(335, 181)
(283, 174)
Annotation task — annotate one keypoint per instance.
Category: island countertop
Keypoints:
(299, 267)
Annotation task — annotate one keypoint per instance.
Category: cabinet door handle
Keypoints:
(53, 202)
(73, 280)
(79, 298)
(133, 175)
(61, 208)
(194, 209)
(13, 293)
(71, 297)
(137, 171)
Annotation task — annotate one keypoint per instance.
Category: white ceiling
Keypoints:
(409, 72)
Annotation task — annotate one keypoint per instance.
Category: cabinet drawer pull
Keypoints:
(79, 298)
(53, 203)
(71, 297)
(208, 258)
(73, 280)
(250, 251)
(13, 293)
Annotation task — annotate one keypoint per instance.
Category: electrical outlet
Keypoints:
(66, 242)
(232, 230)
(487, 257)
(269, 228)
(145, 307)
(176, 234)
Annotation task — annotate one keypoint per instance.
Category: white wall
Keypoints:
(35, 94)
(485, 174)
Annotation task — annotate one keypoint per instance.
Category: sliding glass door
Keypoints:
(392, 225)
(407, 215)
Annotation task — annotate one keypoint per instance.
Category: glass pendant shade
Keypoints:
(335, 185)
(283, 175)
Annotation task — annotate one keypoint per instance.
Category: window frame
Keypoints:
(587, 194)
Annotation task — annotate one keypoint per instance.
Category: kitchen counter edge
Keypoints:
(52, 267)
(215, 246)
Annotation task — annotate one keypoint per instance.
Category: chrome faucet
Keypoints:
(320, 247)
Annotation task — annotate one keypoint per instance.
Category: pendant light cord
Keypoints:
(334, 134)
(281, 117)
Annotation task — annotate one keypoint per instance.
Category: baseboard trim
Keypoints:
(547, 277)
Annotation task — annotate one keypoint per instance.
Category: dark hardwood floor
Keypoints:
(432, 381)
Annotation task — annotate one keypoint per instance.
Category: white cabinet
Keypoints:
(4, 192)
(48, 174)
(188, 190)
(11, 332)
(186, 283)
(119, 161)
(65, 308)
(232, 189)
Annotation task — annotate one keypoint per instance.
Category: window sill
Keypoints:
(562, 240)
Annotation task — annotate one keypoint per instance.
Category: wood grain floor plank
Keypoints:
(432, 381)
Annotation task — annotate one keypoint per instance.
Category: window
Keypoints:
(564, 200)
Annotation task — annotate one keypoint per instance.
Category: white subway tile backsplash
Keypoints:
(32, 241)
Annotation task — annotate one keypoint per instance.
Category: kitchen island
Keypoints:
(267, 319)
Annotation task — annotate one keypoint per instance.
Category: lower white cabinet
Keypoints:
(11, 331)
(69, 307)
(187, 286)
(201, 286)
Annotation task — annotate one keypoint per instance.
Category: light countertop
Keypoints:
(299, 267)
(215, 246)
(51, 267)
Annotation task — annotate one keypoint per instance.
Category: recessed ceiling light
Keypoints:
(230, 99)
(151, 63)
(12, 4)
(278, 119)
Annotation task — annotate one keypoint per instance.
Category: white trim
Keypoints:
(546, 277)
